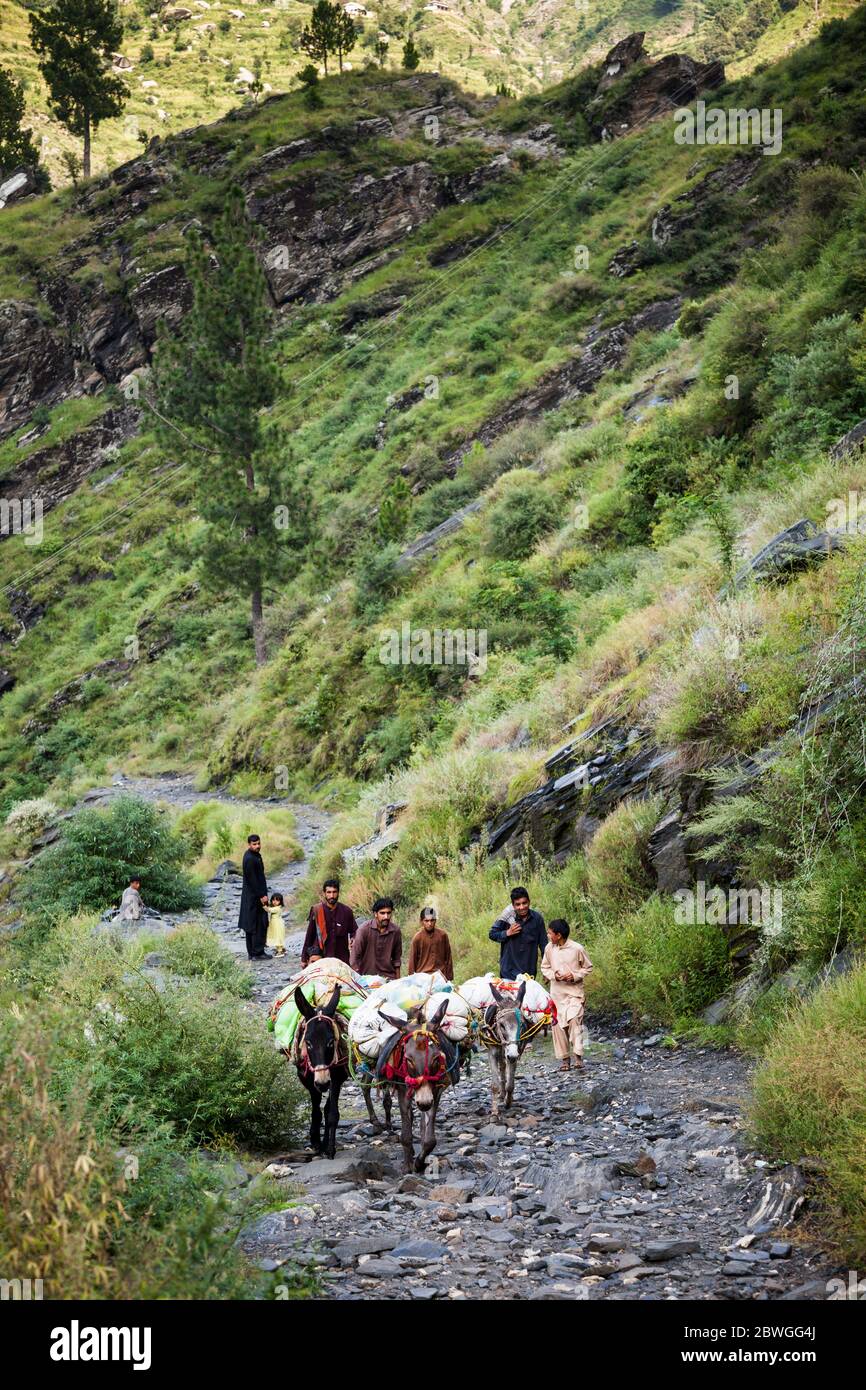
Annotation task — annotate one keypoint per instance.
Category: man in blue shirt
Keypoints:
(521, 936)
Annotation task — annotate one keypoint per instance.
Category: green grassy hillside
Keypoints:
(630, 439)
(186, 72)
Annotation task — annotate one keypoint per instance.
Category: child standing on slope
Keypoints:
(276, 925)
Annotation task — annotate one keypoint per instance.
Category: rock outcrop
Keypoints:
(602, 350)
(320, 232)
(52, 474)
(633, 90)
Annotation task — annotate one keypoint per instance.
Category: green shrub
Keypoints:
(376, 579)
(97, 853)
(515, 523)
(661, 969)
(194, 951)
(95, 1220)
(813, 398)
(27, 818)
(810, 1099)
(198, 1061)
(619, 874)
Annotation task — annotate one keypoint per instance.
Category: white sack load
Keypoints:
(370, 1032)
(455, 1024)
(537, 1003)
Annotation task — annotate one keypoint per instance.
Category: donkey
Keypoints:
(419, 1063)
(323, 1065)
(366, 1081)
(503, 1027)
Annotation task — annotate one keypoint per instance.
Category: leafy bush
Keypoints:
(198, 1061)
(376, 579)
(194, 951)
(29, 817)
(95, 1220)
(97, 853)
(813, 398)
(661, 969)
(515, 523)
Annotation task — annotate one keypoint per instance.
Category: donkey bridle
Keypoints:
(339, 1059)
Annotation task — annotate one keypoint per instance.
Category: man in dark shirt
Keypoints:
(253, 920)
(378, 945)
(521, 936)
(331, 926)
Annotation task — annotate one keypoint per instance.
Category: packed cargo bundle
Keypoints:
(370, 1032)
(537, 1007)
(317, 982)
(458, 1015)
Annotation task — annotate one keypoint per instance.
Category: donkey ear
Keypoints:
(490, 1015)
(436, 1020)
(400, 1023)
(331, 1007)
(520, 994)
(496, 995)
(303, 1005)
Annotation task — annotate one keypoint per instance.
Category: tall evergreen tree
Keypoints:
(16, 145)
(320, 38)
(411, 56)
(214, 382)
(345, 33)
(74, 40)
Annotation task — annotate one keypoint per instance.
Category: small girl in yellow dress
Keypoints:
(276, 925)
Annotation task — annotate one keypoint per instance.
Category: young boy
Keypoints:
(430, 949)
(276, 925)
(566, 965)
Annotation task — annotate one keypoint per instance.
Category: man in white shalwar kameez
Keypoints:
(565, 965)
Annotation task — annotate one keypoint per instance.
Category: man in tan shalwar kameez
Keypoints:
(566, 965)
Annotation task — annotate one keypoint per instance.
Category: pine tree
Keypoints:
(214, 383)
(16, 145)
(74, 39)
(345, 33)
(319, 39)
(411, 56)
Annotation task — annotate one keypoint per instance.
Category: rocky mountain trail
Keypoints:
(223, 892)
(633, 1180)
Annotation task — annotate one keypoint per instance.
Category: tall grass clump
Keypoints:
(810, 1098)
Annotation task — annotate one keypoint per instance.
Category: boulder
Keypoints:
(36, 364)
(388, 833)
(621, 57)
(779, 1200)
(850, 443)
(19, 184)
(652, 88)
(793, 549)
